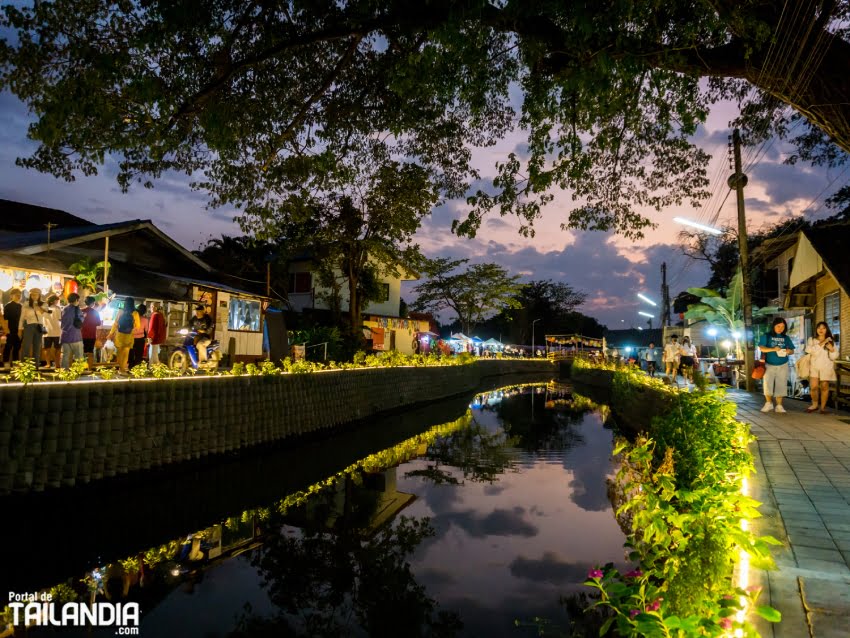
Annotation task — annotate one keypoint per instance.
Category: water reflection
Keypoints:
(460, 530)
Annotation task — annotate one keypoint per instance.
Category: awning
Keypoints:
(377, 338)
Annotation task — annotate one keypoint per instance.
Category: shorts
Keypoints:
(51, 342)
(122, 340)
(687, 362)
(88, 345)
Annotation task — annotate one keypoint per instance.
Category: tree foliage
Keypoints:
(257, 98)
(477, 291)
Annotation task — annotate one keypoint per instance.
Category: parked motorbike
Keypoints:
(187, 354)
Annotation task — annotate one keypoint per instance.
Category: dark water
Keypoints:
(474, 526)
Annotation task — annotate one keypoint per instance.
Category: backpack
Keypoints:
(125, 323)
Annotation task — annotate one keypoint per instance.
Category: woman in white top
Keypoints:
(687, 358)
(823, 353)
(32, 322)
(53, 323)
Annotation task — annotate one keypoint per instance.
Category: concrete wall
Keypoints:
(634, 406)
(61, 434)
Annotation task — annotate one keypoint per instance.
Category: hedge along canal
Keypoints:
(66, 433)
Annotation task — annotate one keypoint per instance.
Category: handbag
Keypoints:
(804, 366)
(758, 370)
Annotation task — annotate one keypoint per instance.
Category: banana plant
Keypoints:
(725, 311)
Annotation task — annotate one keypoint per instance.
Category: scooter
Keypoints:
(187, 354)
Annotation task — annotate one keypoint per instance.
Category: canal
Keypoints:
(477, 517)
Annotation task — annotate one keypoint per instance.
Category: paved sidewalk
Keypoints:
(803, 480)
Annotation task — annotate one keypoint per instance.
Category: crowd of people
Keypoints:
(54, 332)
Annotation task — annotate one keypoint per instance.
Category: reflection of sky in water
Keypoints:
(502, 550)
(508, 550)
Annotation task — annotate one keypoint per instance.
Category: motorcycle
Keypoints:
(187, 354)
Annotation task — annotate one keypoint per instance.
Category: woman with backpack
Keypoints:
(122, 332)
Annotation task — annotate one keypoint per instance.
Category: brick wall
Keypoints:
(61, 434)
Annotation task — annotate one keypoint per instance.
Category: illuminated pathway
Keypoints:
(803, 479)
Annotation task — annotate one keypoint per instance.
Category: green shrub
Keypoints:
(140, 371)
(25, 371)
(682, 507)
(106, 373)
(74, 371)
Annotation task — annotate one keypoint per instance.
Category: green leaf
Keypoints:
(768, 613)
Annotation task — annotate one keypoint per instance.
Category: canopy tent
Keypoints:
(574, 340)
(493, 343)
(459, 336)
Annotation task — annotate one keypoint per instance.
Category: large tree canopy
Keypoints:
(258, 95)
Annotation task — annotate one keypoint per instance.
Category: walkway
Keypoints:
(803, 480)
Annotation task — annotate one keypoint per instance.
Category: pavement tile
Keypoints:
(804, 476)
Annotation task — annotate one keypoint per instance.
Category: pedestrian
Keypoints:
(72, 336)
(140, 334)
(156, 332)
(52, 321)
(121, 333)
(651, 358)
(32, 320)
(12, 316)
(671, 356)
(823, 353)
(91, 321)
(776, 345)
(687, 359)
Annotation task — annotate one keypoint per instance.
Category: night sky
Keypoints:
(610, 269)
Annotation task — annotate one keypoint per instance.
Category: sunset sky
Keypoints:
(610, 269)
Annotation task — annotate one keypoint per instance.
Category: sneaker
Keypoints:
(768, 407)
(780, 409)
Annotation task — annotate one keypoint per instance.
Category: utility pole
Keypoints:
(665, 297)
(737, 181)
(49, 226)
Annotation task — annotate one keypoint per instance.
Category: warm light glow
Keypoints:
(727, 344)
(712, 332)
(743, 566)
(697, 225)
(647, 299)
(645, 314)
(736, 334)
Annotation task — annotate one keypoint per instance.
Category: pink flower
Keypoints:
(635, 573)
(754, 588)
(633, 613)
(655, 605)
(595, 573)
(726, 623)
(728, 597)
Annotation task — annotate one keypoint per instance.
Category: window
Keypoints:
(832, 313)
(300, 282)
(385, 292)
(244, 314)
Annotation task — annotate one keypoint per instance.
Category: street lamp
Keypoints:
(645, 314)
(533, 350)
(706, 229)
(646, 299)
(728, 345)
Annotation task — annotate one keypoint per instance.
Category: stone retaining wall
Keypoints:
(634, 406)
(61, 434)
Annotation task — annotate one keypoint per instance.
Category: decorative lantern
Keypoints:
(71, 286)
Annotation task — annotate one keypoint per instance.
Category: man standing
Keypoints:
(651, 357)
(91, 321)
(671, 357)
(72, 337)
(12, 315)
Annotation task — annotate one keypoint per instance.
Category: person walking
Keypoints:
(32, 320)
(776, 345)
(91, 321)
(12, 316)
(140, 334)
(687, 359)
(121, 333)
(156, 332)
(651, 358)
(72, 336)
(671, 357)
(53, 323)
(823, 354)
